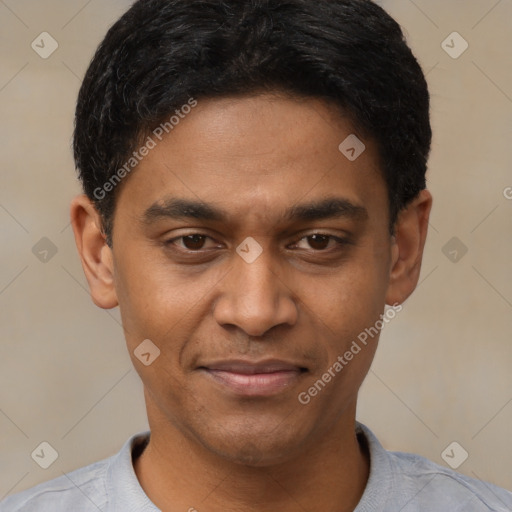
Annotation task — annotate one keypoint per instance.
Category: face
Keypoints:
(252, 253)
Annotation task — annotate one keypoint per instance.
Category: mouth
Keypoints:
(245, 378)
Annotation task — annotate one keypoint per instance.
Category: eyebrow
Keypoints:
(175, 208)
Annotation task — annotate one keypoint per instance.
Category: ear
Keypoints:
(407, 248)
(96, 255)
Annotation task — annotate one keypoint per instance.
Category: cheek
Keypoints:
(156, 306)
(153, 299)
(354, 299)
(349, 311)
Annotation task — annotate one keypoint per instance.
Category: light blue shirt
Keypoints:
(398, 482)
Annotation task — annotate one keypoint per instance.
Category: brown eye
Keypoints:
(319, 242)
(193, 242)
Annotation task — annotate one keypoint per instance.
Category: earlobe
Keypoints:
(407, 248)
(95, 254)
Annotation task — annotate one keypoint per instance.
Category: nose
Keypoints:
(255, 297)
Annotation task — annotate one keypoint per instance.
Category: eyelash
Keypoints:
(339, 241)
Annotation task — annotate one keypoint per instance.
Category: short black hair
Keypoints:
(164, 54)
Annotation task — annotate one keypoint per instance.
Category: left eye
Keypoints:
(318, 242)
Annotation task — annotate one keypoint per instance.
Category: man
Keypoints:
(254, 177)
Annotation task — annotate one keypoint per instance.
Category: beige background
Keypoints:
(442, 372)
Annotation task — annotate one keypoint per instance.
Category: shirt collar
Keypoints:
(125, 493)
(123, 488)
(381, 478)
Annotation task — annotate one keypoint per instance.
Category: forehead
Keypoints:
(255, 156)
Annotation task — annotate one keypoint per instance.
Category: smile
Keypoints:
(254, 379)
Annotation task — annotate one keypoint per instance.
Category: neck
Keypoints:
(177, 473)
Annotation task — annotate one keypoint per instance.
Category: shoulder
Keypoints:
(412, 483)
(437, 486)
(82, 490)
(110, 484)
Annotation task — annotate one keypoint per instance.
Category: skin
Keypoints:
(303, 301)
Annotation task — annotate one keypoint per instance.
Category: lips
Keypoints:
(264, 378)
